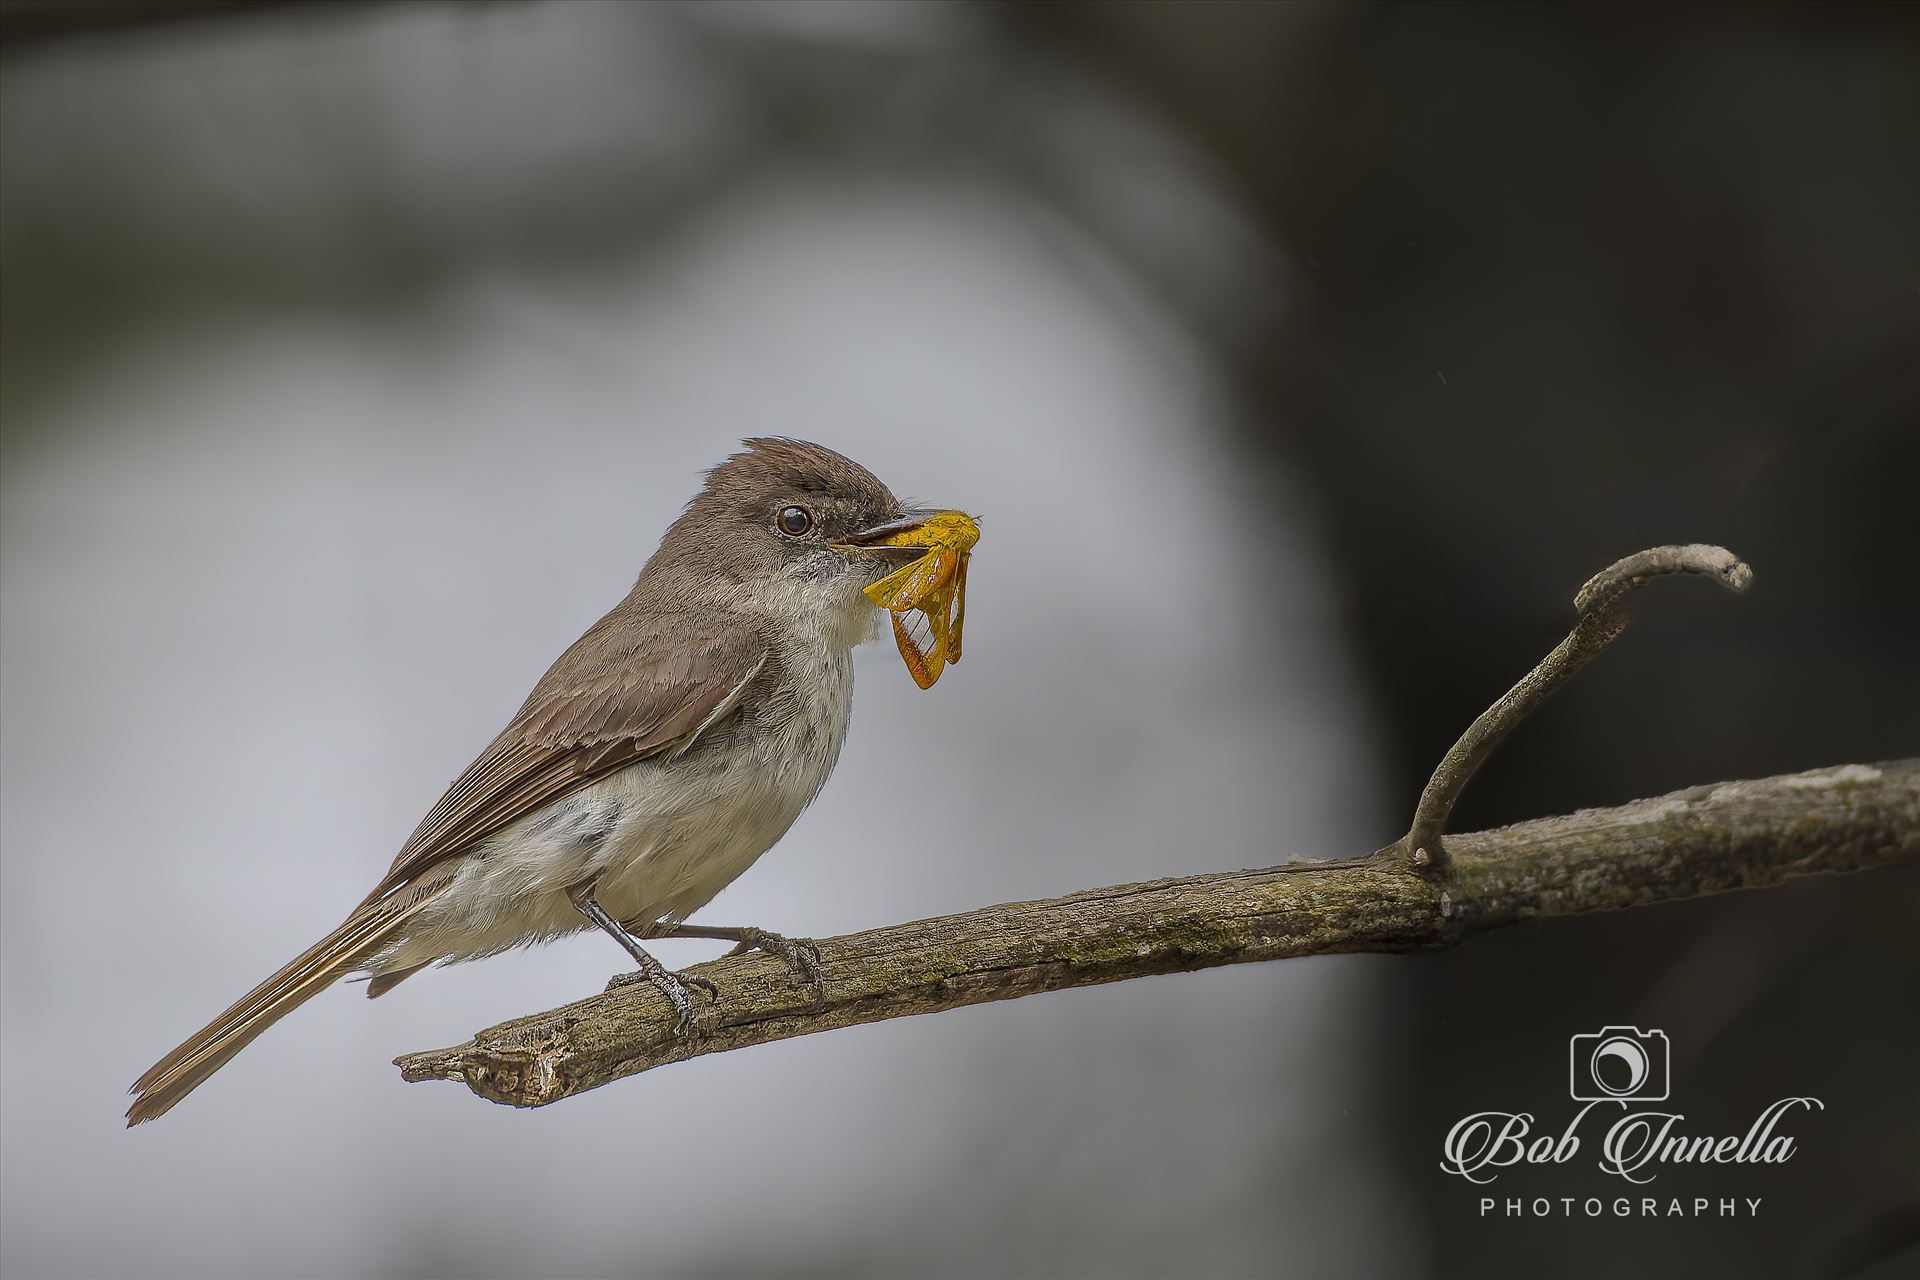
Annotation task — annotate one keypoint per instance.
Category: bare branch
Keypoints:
(1602, 608)
(31, 24)
(1707, 839)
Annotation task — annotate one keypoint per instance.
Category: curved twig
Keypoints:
(1601, 606)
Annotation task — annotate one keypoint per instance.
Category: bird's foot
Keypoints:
(675, 987)
(802, 955)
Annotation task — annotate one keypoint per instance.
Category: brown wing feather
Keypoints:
(631, 687)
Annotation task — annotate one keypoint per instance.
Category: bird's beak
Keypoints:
(909, 535)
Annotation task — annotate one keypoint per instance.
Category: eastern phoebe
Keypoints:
(672, 745)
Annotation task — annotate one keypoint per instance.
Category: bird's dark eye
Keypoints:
(795, 521)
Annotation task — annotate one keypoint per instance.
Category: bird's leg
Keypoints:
(671, 985)
(802, 955)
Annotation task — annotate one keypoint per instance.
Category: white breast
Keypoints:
(700, 821)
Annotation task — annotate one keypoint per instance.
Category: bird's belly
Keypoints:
(656, 840)
(669, 865)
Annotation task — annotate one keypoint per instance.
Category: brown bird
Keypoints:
(664, 752)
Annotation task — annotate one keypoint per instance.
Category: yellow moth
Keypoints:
(935, 586)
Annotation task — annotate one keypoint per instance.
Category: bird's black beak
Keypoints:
(897, 537)
(905, 522)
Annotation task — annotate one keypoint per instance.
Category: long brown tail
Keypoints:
(359, 937)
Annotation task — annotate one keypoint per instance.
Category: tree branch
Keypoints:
(1707, 839)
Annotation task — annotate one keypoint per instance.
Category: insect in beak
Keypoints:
(934, 585)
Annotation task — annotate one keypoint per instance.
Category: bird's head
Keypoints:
(799, 531)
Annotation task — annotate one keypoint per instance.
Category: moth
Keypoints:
(935, 587)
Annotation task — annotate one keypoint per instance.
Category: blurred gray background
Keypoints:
(355, 357)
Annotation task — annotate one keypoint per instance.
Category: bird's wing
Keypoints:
(627, 694)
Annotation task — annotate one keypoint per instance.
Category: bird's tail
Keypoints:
(360, 936)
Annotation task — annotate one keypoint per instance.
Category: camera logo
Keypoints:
(1617, 1064)
(1631, 1068)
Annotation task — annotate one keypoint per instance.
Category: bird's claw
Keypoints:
(674, 986)
(802, 956)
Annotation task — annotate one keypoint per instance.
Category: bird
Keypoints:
(668, 748)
